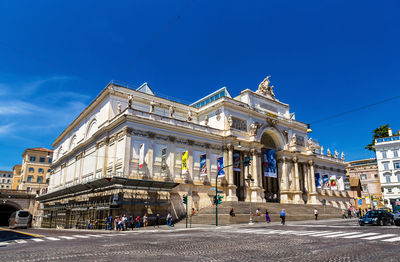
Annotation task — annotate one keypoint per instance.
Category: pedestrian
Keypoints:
(193, 212)
(89, 224)
(258, 212)
(349, 213)
(169, 219)
(316, 213)
(145, 220)
(344, 214)
(157, 222)
(267, 216)
(124, 222)
(359, 212)
(232, 213)
(138, 222)
(283, 216)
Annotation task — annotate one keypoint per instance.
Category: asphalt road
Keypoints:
(334, 240)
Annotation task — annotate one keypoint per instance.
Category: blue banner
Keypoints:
(220, 166)
(317, 180)
(203, 165)
(325, 182)
(270, 163)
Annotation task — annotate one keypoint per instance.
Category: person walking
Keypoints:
(316, 213)
(232, 213)
(344, 214)
(145, 220)
(138, 222)
(157, 223)
(267, 218)
(283, 216)
(169, 219)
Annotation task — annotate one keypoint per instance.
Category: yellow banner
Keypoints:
(184, 162)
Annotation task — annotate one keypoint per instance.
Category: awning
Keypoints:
(354, 181)
(102, 184)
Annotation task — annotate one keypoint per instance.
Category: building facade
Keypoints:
(133, 152)
(6, 179)
(365, 172)
(35, 165)
(388, 156)
(17, 175)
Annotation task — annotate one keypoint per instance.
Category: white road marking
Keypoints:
(81, 236)
(380, 236)
(66, 237)
(37, 239)
(343, 234)
(324, 234)
(362, 235)
(52, 238)
(102, 235)
(392, 239)
(311, 233)
(20, 241)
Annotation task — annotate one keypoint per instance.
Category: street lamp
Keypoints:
(249, 179)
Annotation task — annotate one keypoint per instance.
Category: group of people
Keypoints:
(267, 217)
(123, 223)
(353, 212)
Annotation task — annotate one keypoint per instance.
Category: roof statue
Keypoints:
(265, 89)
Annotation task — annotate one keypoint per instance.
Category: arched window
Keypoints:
(387, 179)
(41, 170)
(48, 170)
(29, 179)
(31, 170)
(92, 129)
(40, 179)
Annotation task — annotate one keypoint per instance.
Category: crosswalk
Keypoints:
(57, 238)
(356, 235)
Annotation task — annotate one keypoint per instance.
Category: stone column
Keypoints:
(313, 194)
(231, 186)
(208, 163)
(284, 175)
(150, 156)
(306, 178)
(256, 190)
(171, 158)
(297, 193)
(128, 154)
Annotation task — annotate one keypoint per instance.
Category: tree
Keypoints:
(382, 131)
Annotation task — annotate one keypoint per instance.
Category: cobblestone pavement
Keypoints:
(334, 240)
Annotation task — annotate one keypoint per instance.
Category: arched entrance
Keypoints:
(272, 141)
(5, 212)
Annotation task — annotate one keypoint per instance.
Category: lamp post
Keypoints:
(249, 179)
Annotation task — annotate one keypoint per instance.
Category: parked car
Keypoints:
(397, 219)
(20, 219)
(377, 217)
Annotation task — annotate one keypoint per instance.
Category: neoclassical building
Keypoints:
(124, 153)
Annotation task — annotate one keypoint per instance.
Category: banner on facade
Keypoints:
(367, 200)
(325, 182)
(360, 202)
(203, 165)
(346, 183)
(164, 159)
(270, 163)
(317, 177)
(333, 182)
(236, 159)
(141, 155)
(220, 167)
(375, 202)
(340, 183)
(184, 163)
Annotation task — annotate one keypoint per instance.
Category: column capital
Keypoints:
(254, 151)
(295, 159)
(230, 147)
(311, 162)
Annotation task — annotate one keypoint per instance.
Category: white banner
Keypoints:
(340, 183)
(141, 155)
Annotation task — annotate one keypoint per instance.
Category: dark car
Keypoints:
(377, 217)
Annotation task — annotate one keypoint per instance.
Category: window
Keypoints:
(40, 179)
(41, 171)
(387, 179)
(3, 181)
(363, 176)
(28, 189)
(7, 187)
(376, 176)
(31, 170)
(48, 170)
(29, 179)
(385, 166)
(50, 159)
(2, 186)
(32, 159)
(389, 190)
(47, 181)
(395, 153)
(8, 181)
(9, 175)
(41, 160)
(396, 165)
(398, 177)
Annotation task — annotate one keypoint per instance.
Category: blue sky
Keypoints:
(325, 57)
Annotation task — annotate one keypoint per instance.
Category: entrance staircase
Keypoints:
(242, 213)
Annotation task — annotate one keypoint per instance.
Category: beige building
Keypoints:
(35, 165)
(133, 152)
(6, 179)
(365, 173)
(17, 176)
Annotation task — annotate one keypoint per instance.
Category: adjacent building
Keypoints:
(17, 175)
(388, 157)
(365, 183)
(6, 179)
(35, 165)
(133, 152)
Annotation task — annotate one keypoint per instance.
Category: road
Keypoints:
(333, 240)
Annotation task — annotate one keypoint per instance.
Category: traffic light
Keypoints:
(219, 199)
(247, 161)
(215, 200)
(185, 199)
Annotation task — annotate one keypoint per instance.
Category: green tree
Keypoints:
(379, 132)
